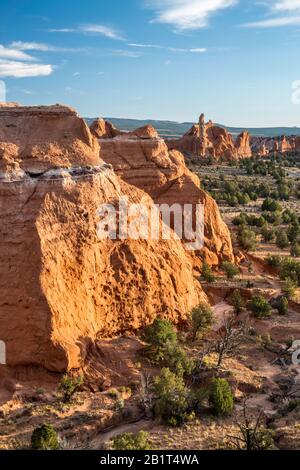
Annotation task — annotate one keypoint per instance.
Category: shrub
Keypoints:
(172, 399)
(207, 273)
(177, 360)
(221, 397)
(282, 240)
(44, 438)
(267, 233)
(159, 335)
(293, 233)
(202, 318)
(290, 269)
(270, 205)
(289, 289)
(129, 441)
(260, 307)
(274, 261)
(283, 306)
(230, 269)
(237, 302)
(69, 386)
(295, 250)
(113, 393)
(247, 239)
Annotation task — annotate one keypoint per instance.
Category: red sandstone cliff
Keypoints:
(60, 286)
(147, 164)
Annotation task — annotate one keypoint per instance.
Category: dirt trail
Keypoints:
(221, 312)
(103, 437)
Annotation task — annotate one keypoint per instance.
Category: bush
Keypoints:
(283, 306)
(69, 386)
(260, 307)
(290, 269)
(44, 438)
(268, 234)
(177, 360)
(293, 233)
(129, 441)
(295, 250)
(237, 302)
(247, 239)
(274, 261)
(159, 336)
(207, 273)
(270, 205)
(172, 399)
(221, 397)
(230, 269)
(289, 289)
(202, 318)
(282, 240)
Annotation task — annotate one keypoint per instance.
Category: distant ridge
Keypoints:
(172, 129)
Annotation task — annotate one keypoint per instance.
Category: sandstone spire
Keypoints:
(202, 137)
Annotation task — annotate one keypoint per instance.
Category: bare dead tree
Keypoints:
(145, 394)
(252, 434)
(230, 337)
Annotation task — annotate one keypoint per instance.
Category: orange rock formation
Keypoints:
(209, 140)
(61, 287)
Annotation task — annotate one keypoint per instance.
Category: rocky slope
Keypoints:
(148, 164)
(61, 287)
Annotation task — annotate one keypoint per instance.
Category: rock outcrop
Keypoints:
(242, 145)
(263, 146)
(35, 139)
(150, 166)
(212, 141)
(61, 287)
(102, 129)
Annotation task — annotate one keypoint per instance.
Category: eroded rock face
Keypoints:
(60, 286)
(211, 141)
(150, 166)
(36, 139)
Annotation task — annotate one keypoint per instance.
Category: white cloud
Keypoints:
(30, 46)
(291, 9)
(186, 14)
(42, 47)
(287, 5)
(22, 69)
(100, 29)
(197, 50)
(13, 53)
(275, 22)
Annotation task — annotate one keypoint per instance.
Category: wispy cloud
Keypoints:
(197, 50)
(186, 14)
(289, 8)
(98, 29)
(42, 47)
(14, 54)
(23, 69)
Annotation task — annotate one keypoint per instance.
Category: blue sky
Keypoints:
(235, 60)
